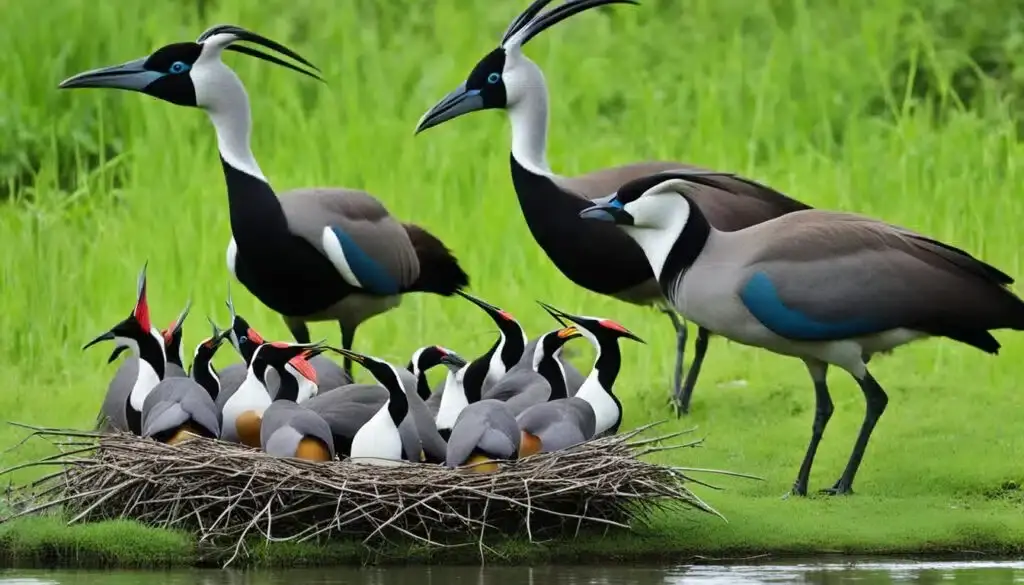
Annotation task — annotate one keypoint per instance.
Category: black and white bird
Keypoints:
(422, 361)
(173, 353)
(181, 407)
(122, 406)
(289, 429)
(314, 254)
(245, 340)
(366, 420)
(590, 254)
(242, 412)
(538, 377)
(829, 288)
(591, 412)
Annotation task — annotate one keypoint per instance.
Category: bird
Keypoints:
(573, 378)
(538, 377)
(202, 369)
(242, 412)
(420, 422)
(484, 431)
(455, 396)
(182, 407)
(827, 287)
(245, 340)
(289, 429)
(172, 350)
(594, 410)
(310, 254)
(122, 406)
(591, 255)
(422, 360)
(487, 369)
(365, 419)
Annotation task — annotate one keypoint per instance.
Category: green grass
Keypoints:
(821, 100)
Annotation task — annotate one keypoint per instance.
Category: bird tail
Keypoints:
(440, 272)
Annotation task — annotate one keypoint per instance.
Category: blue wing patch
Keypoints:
(762, 300)
(374, 277)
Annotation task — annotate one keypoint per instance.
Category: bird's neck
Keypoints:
(206, 376)
(513, 344)
(257, 218)
(252, 392)
(453, 400)
(674, 246)
(550, 367)
(398, 402)
(480, 371)
(145, 381)
(529, 119)
(149, 351)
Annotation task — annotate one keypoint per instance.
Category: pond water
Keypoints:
(818, 571)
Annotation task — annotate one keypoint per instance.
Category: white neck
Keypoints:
(144, 383)
(251, 395)
(306, 387)
(222, 95)
(496, 367)
(538, 354)
(606, 411)
(657, 243)
(453, 400)
(378, 439)
(528, 114)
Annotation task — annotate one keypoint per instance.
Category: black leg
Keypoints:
(700, 349)
(677, 379)
(822, 413)
(298, 329)
(876, 400)
(347, 335)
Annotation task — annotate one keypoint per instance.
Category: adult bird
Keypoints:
(122, 406)
(829, 288)
(538, 377)
(592, 255)
(312, 254)
(591, 412)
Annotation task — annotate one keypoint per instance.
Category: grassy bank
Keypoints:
(844, 104)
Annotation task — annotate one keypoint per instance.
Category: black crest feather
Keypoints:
(245, 35)
(531, 22)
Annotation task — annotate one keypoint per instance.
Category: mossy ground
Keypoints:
(880, 107)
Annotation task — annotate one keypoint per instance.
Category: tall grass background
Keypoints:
(905, 110)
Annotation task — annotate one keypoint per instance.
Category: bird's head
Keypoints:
(243, 337)
(655, 201)
(278, 354)
(207, 348)
(504, 76)
(425, 358)
(385, 373)
(188, 73)
(134, 331)
(507, 324)
(595, 329)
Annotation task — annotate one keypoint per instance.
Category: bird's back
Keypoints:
(485, 426)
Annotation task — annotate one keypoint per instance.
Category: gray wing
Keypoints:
(434, 401)
(485, 426)
(231, 377)
(112, 416)
(285, 423)
(821, 275)
(329, 374)
(559, 424)
(174, 371)
(573, 378)
(363, 222)
(736, 204)
(411, 445)
(512, 383)
(175, 401)
(347, 409)
(419, 414)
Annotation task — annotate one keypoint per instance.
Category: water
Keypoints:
(816, 572)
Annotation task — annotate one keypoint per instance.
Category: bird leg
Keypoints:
(876, 400)
(822, 413)
(298, 329)
(348, 334)
(700, 348)
(680, 327)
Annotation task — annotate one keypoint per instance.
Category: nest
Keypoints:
(225, 494)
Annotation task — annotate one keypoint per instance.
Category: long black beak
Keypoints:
(496, 313)
(117, 351)
(109, 335)
(131, 75)
(556, 313)
(459, 102)
(453, 361)
(609, 212)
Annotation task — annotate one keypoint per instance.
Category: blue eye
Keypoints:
(493, 78)
(178, 67)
